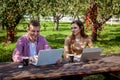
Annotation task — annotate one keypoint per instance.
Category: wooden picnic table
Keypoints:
(108, 63)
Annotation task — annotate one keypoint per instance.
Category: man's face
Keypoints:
(33, 32)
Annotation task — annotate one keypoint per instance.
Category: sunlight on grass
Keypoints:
(108, 39)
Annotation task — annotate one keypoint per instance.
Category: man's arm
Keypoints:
(17, 54)
(46, 45)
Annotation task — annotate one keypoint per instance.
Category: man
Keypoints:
(29, 44)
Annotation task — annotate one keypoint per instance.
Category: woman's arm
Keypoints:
(90, 43)
(66, 47)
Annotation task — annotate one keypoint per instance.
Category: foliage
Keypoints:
(99, 12)
(78, 8)
(6, 51)
(11, 14)
(58, 9)
(12, 11)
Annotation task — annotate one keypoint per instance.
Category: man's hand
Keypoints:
(59, 61)
(33, 58)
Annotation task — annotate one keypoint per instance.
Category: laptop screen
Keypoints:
(50, 56)
(90, 54)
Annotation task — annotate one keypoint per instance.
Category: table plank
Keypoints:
(10, 70)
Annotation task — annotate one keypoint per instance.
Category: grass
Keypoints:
(108, 39)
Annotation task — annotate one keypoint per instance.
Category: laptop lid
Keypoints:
(46, 57)
(90, 54)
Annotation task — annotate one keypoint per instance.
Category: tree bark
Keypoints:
(10, 34)
(94, 33)
(2, 24)
(10, 27)
(56, 23)
(92, 14)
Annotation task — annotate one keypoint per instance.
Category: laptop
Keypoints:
(90, 54)
(46, 57)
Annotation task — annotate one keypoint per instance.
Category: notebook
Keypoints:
(90, 54)
(46, 57)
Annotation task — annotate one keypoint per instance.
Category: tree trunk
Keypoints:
(10, 27)
(56, 23)
(10, 34)
(2, 25)
(3, 28)
(94, 33)
(92, 14)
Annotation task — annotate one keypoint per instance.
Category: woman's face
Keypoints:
(33, 32)
(75, 29)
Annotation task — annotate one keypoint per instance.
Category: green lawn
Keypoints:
(108, 39)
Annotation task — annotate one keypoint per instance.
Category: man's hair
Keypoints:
(34, 23)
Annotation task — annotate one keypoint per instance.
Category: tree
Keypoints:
(77, 8)
(12, 13)
(97, 11)
(36, 9)
(58, 9)
(101, 11)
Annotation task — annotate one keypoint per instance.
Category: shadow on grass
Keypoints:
(112, 42)
(1, 31)
(56, 40)
(60, 29)
(21, 30)
(3, 39)
(116, 30)
(116, 39)
(65, 28)
(5, 57)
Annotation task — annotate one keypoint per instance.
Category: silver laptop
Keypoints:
(90, 54)
(46, 57)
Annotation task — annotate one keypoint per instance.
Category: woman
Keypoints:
(75, 43)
